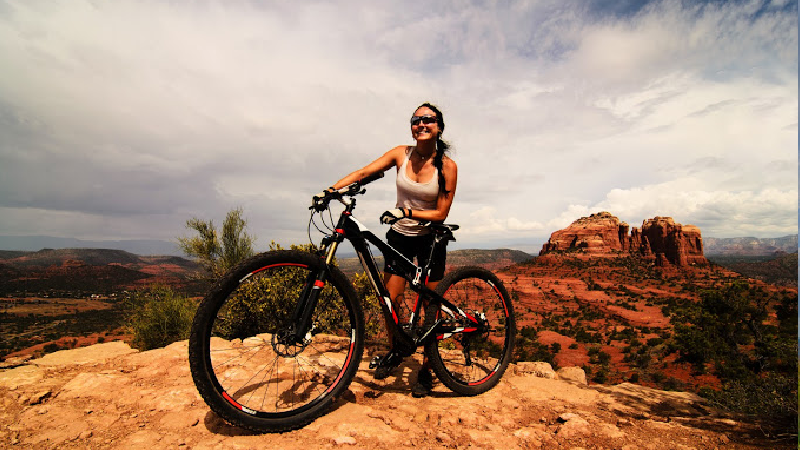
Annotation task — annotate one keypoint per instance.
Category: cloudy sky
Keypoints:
(123, 119)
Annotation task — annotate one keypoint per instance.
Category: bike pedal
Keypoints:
(375, 361)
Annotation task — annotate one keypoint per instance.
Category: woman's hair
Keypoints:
(441, 146)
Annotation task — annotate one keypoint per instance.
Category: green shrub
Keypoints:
(51, 347)
(373, 315)
(773, 396)
(159, 317)
(601, 376)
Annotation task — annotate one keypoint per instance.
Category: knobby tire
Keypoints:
(240, 365)
(476, 291)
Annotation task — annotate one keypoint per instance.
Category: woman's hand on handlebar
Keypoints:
(324, 194)
(393, 215)
(320, 200)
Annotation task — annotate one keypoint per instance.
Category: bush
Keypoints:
(159, 317)
(373, 315)
(51, 347)
(772, 397)
(601, 376)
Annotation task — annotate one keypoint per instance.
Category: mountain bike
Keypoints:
(280, 337)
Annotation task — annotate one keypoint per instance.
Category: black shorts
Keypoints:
(417, 247)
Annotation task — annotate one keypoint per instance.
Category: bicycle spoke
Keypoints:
(258, 370)
(472, 358)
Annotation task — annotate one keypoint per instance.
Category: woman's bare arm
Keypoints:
(445, 200)
(393, 157)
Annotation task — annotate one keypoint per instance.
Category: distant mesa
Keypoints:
(660, 240)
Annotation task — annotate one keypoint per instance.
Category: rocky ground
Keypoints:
(109, 396)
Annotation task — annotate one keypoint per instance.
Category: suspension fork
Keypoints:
(315, 283)
(307, 303)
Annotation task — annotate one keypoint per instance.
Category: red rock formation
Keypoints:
(660, 240)
(681, 245)
(600, 233)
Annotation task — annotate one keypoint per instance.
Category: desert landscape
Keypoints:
(601, 299)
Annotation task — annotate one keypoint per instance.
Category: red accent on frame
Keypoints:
(340, 231)
(319, 284)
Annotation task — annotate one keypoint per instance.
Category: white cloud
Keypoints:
(134, 110)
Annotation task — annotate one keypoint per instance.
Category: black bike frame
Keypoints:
(348, 227)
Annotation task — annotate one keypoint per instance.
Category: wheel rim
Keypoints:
(252, 365)
(485, 350)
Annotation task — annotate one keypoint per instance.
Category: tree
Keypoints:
(160, 316)
(218, 255)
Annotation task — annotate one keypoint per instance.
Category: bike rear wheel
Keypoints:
(242, 362)
(472, 362)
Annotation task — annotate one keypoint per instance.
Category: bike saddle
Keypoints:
(443, 227)
(444, 230)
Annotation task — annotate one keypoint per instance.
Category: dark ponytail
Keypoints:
(442, 147)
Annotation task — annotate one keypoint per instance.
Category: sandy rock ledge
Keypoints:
(110, 396)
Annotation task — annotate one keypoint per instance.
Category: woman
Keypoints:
(426, 185)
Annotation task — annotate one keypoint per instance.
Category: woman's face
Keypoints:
(424, 125)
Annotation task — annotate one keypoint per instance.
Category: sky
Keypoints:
(124, 119)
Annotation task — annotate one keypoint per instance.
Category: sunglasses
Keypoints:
(424, 120)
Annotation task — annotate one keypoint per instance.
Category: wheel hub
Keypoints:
(285, 344)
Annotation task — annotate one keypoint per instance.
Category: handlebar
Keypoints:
(351, 190)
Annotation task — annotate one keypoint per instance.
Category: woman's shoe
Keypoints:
(424, 384)
(387, 364)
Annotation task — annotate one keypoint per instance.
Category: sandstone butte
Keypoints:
(660, 240)
(108, 396)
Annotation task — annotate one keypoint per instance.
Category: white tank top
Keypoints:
(415, 196)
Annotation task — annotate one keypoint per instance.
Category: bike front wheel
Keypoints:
(472, 362)
(243, 361)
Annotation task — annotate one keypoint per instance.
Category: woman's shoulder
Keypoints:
(448, 163)
(401, 150)
(400, 153)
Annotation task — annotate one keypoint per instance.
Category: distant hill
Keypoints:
(89, 269)
(495, 258)
(90, 256)
(490, 259)
(75, 277)
(137, 246)
(780, 269)
(749, 246)
(49, 257)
